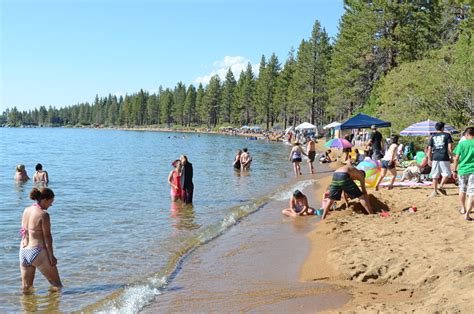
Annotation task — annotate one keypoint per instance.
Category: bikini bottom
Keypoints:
(29, 254)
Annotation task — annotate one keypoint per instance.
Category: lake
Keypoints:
(117, 236)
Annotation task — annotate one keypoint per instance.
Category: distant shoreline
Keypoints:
(259, 136)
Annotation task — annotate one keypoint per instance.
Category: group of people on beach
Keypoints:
(444, 164)
(36, 247)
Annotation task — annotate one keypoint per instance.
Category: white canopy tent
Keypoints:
(305, 126)
(332, 125)
(289, 129)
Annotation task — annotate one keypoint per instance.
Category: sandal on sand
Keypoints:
(468, 218)
(443, 191)
(434, 194)
(462, 211)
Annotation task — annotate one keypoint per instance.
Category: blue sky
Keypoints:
(61, 53)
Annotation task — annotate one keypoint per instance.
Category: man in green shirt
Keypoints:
(464, 168)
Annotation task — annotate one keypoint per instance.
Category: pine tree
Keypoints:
(273, 71)
(265, 90)
(237, 113)
(200, 110)
(299, 93)
(113, 111)
(282, 98)
(245, 95)
(261, 92)
(152, 110)
(190, 106)
(352, 70)
(212, 101)
(178, 106)
(228, 97)
(166, 105)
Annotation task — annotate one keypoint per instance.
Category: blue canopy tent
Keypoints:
(361, 121)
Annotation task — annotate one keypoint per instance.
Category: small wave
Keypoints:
(134, 297)
(286, 193)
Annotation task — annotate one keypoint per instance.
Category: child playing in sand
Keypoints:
(298, 205)
(325, 158)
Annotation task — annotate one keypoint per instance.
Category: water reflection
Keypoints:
(183, 216)
(243, 173)
(20, 187)
(303, 223)
(32, 302)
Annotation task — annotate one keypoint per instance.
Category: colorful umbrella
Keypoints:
(338, 143)
(425, 128)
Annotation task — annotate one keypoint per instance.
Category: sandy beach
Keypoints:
(421, 261)
(351, 262)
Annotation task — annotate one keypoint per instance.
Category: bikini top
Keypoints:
(40, 176)
(25, 232)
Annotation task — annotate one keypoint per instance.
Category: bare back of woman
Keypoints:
(36, 247)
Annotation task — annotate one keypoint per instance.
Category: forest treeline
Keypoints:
(402, 61)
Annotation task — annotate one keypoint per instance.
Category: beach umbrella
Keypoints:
(425, 128)
(245, 127)
(255, 128)
(338, 143)
(305, 126)
(288, 129)
(331, 125)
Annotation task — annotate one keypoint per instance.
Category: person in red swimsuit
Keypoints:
(174, 180)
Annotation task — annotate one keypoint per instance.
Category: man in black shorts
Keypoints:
(343, 181)
(311, 152)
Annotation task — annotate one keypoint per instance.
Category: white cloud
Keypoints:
(220, 67)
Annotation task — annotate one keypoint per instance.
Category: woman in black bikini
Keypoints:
(236, 163)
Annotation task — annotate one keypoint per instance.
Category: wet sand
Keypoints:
(255, 266)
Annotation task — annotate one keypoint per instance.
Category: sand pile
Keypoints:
(422, 261)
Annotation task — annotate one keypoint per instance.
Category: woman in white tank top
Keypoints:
(389, 162)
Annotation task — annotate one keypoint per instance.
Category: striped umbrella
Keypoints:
(425, 128)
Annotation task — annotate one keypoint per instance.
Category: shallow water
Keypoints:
(116, 234)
